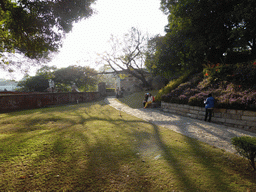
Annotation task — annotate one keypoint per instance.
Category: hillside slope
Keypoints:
(233, 87)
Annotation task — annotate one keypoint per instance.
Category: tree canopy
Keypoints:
(207, 31)
(35, 27)
(36, 83)
(84, 78)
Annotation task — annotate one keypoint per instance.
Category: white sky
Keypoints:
(90, 36)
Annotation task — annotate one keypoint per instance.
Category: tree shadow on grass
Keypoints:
(216, 177)
(109, 169)
(81, 159)
(64, 165)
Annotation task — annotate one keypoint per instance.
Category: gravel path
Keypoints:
(213, 134)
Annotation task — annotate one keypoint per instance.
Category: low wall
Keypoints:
(30, 101)
(235, 118)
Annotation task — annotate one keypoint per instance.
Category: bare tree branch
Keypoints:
(128, 55)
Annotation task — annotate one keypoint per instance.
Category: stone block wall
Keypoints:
(234, 118)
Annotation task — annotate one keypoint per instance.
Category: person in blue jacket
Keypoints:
(209, 105)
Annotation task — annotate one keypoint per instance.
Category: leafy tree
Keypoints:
(36, 83)
(168, 56)
(209, 31)
(152, 45)
(39, 82)
(85, 78)
(46, 71)
(128, 55)
(35, 28)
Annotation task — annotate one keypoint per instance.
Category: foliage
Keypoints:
(207, 31)
(241, 74)
(238, 100)
(170, 86)
(233, 87)
(46, 71)
(39, 82)
(227, 97)
(35, 28)
(152, 45)
(151, 56)
(168, 58)
(128, 55)
(198, 99)
(246, 147)
(85, 78)
(36, 83)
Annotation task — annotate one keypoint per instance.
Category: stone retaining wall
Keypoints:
(235, 118)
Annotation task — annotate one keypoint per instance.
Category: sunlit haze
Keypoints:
(90, 36)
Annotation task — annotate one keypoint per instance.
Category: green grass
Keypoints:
(135, 100)
(90, 147)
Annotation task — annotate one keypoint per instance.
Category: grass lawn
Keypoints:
(90, 147)
(135, 100)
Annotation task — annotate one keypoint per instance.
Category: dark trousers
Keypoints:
(208, 112)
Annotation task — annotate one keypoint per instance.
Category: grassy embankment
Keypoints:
(90, 147)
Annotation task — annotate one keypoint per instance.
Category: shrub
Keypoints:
(230, 99)
(245, 74)
(232, 86)
(246, 147)
(193, 101)
(218, 72)
(171, 86)
(198, 99)
(241, 74)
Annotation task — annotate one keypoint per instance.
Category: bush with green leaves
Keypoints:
(246, 147)
(172, 85)
(240, 74)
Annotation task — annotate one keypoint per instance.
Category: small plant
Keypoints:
(246, 147)
(198, 99)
